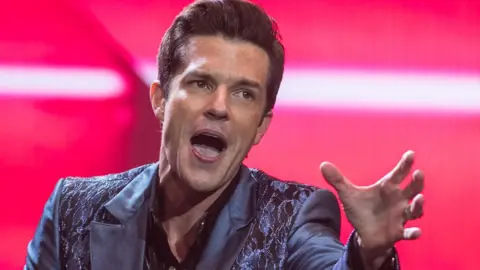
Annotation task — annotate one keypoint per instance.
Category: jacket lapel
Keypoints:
(122, 246)
(232, 226)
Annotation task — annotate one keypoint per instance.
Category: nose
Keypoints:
(218, 107)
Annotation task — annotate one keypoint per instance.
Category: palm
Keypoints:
(377, 212)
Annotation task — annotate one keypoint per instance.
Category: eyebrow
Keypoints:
(241, 82)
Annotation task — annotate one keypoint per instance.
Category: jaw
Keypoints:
(206, 176)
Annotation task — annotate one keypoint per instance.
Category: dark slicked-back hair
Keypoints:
(232, 19)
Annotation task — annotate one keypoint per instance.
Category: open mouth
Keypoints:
(208, 146)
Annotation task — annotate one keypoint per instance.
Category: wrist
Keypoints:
(373, 258)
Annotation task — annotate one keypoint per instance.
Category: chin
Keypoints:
(202, 175)
(204, 183)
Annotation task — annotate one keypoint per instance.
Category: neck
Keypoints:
(181, 208)
(182, 205)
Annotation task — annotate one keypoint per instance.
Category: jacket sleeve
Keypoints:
(43, 250)
(314, 240)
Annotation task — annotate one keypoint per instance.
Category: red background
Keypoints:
(43, 138)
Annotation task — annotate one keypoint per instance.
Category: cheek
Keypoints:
(171, 124)
(179, 116)
(248, 131)
(176, 106)
(180, 95)
(186, 103)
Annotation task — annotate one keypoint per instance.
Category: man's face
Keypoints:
(215, 110)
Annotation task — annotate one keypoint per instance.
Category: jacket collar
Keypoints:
(126, 204)
(122, 246)
(243, 203)
(132, 197)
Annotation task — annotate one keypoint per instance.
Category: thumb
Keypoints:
(334, 177)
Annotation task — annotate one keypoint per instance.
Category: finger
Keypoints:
(416, 207)
(415, 186)
(412, 233)
(334, 177)
(402, 169)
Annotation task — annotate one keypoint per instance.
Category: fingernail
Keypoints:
(408, 153)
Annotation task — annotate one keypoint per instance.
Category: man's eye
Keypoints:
(200, 84)
(246, 95)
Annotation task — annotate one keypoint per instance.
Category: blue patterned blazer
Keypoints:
(100, 223)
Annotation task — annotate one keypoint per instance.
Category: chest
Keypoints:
(95, 243)
(264, 246)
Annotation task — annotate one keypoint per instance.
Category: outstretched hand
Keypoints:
(379, 212)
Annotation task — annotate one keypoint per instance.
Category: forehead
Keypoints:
(226, 59)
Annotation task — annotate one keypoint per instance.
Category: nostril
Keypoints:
(217, 114)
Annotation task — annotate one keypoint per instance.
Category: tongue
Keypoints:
(206, 150)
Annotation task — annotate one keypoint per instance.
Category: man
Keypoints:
(220, 68)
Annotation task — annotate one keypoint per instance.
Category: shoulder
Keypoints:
(299, 195)
(292, 191)
(97, 187)
(84, 196)
(307, 204)
(104, 185)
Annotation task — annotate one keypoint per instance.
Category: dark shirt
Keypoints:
(158, 253)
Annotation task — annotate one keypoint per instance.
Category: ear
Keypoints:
(262, 128)
(157, 100)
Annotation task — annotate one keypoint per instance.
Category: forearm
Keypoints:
(314, 242)
(323, 251)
